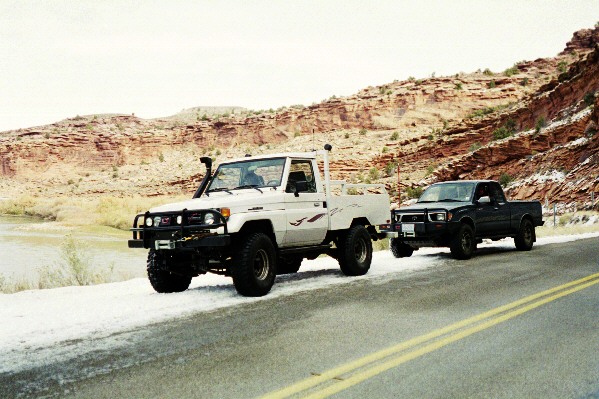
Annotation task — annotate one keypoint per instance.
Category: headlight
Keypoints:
(157, 221)
(437, 217)
(179, 219)
(209, 218)
(149, 222)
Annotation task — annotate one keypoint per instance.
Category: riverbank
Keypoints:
(92, 212)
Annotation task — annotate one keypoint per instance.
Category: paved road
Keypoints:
(503, 324)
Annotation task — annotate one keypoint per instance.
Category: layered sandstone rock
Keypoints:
(431, 129)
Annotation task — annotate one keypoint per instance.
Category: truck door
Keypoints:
(502, 221)
(307, 218)
(491, 218)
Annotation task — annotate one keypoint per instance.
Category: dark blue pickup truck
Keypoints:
(458, 215)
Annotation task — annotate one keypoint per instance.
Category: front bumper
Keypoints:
(186, 235)
(421, 234)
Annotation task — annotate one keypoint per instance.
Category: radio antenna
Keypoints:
(313, 146)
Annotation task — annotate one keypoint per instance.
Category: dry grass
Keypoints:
(73, 269)
(570, 223)
(107, 211)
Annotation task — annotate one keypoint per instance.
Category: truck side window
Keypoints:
(301, 170)
(482, 191)
(497, 193)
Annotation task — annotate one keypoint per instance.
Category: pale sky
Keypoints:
(63, 58)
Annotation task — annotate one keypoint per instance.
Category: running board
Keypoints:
(307, 249)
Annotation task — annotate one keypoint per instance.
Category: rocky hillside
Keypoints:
(532, 126)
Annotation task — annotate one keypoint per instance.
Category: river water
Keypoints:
(28, 244)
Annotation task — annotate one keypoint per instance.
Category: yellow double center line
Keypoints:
(342, 377)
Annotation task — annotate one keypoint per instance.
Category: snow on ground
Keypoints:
(36, 324)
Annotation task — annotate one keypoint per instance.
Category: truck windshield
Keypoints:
(248, 174)
(448, 192)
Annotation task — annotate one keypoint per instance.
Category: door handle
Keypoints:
(317, 204)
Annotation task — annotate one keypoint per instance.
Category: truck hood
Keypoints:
(239, 201)
(435, 205)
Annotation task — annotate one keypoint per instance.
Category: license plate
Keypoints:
(407, 227)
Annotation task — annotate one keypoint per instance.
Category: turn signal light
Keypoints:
(226, 212)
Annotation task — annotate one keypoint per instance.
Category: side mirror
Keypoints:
(484, 200)
(300, 187)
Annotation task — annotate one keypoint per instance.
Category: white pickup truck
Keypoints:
(260, 216)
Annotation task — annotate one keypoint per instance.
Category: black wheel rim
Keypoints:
(466, 242)
(360, 250)
(261, 264)
(527, 234)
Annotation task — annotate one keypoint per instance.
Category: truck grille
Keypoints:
(411, 218)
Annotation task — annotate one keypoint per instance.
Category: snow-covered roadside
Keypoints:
(34, 323)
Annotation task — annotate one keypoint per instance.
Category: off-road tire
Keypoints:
(526, 236)
(289, 265)
(355, 251)
(400, 249)
(254, 266)
(464, 243)
(162, 280)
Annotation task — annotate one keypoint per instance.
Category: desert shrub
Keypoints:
(390, 168)
(505, 179)
(381, 245)
(562, 67)
(488, 72)
(414, 192)
(374, 173)
(395, 136)
(475, 146)
(524, 82)
(458, 86)
(511, 71)
(501, 133)
(541, 123)
(385, 150)
(505, 131)
(589, 98)
(363, 132)
(430, 169)
(491, 84)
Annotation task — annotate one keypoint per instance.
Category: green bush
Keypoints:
(505, 179)
(374, 173)
(390, 168)
(414, 192)
(589, 98)
(541, 123)
(562, 67)
(511, 71)
(395, 136)
(363, 132)
(491, 84)
(488, 72)
(458, 86)
(430, 169)
(505, 131)
(474, 147)
(501, 133)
